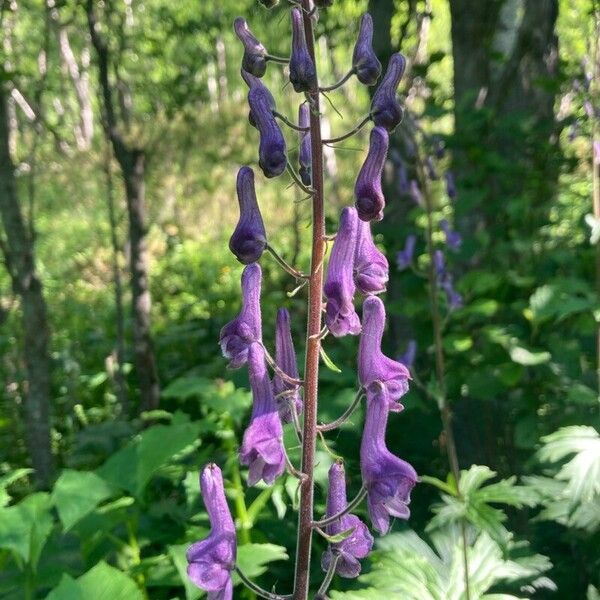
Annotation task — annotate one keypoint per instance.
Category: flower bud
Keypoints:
(302, 69)
(453, 238)
(305, 154)
(370, 265)
(368, 195)
(249, 238)
(385, 108)
(339, 288)
(254, 60)
(364, 61)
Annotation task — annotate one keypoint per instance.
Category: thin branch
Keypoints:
(284, 265)
(340, 83)
(290, 123)
(277, 59)
(298, 181)
(345, 415)
(341, 138)
(351, 506)
(258, 590)
(329, 575)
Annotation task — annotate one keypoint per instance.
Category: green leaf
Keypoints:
(526, 357)
(450, 489)
(328, 362)
(253, 559)
(101, 582)
(132, 467)
(77, 493)
(259, 503)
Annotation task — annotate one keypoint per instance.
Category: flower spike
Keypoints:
(246, 328)
(385, 108)
(254, 60)
(262, 446)
(368, 195)
(364, 61)
(340, 315)
(249, 238)
(302, 69)
(370, 265)
(359, 543)
(211, 561)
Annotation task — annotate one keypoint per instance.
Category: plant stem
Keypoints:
(440, 367)
(313, 342)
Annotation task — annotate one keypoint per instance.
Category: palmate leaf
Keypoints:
(582, 471)
(406, 567)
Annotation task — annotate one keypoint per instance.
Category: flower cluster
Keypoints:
(357, 268)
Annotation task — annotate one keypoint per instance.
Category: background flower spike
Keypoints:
(249, 238)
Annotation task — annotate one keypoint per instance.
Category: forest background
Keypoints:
(122, 125)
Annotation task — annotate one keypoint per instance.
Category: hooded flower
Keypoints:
(249, 238)
(370, 265)
(453, 238)
(285, 359)
(272, 151)
(262, 447)
(404, 257)
(385, 108)
(388, 479)
(364, 61)
(302, 69)
(254, 60)
(305, 154)
(359, 543)
(368, 196)
(340, 316)
(246, 328)
(211, 561)
(375, 370)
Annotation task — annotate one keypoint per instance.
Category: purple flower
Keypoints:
(368, 196)
(385, 108)
(388, 479)
(285, 359)
(340, 316)
(249, 238)
(359, 543)
(370, 265)
(246, 328)
(403, 184)
(404, 257)
(453, 238)
(262, 446)
(302, 69)
(305, 154)
(211, 561)
(375, 370)
(445, 282)
(408, 358)
(272, 152)
(414, 191)
(364, 61)
(254, 60)
(450, 185)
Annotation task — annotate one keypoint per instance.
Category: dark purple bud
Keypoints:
(246, 328)
(408, 358)
(364, 61)
(370, 265)
(453, 238)
(272, 152)
(455, 300)
(262, 447)
(368, 195)
(405, 257)
(211, 561)
(440, 264)
(340, 315)
(388, 479)
(430, 169)
(445, 282)
(439, 148)
(286, 393)
(385, 108)
(305, 154)
(254, 60)
(375, 370)
(359, 543)
(414, 191)
(302, 69)
(450, 185)
(249, 238)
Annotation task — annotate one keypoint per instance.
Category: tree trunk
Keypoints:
(19, 256)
